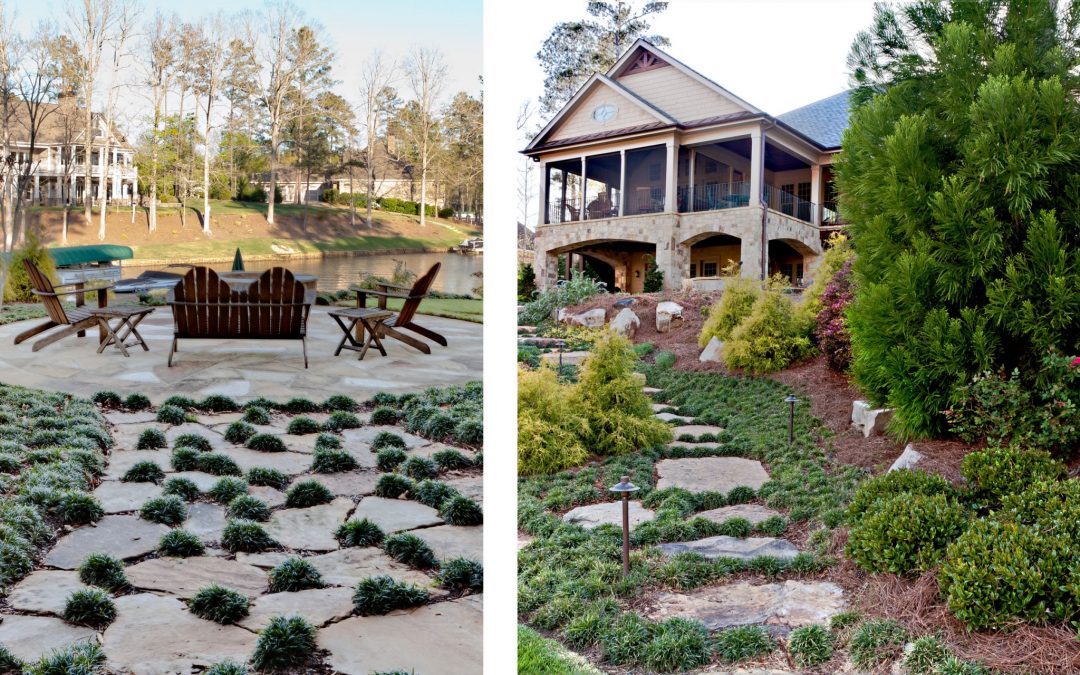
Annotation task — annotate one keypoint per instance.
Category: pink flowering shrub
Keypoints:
(831, 333)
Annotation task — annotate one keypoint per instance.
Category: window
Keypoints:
(736, 176)
(803, 192)
(709, 269)
(787, 199)
(693, 270)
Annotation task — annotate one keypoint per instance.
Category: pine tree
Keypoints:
(960, 177)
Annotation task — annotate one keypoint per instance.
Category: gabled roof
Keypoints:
(823, 121)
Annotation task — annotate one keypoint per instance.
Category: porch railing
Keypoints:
(563, 211)
(830, 214)
(712, 196)
(788, 204)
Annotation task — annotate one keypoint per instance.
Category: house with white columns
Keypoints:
(57, 171)
(653, 160)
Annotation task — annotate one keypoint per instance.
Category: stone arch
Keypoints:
(792, 258)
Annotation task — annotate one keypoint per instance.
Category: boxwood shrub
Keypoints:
(994, 473)
(901, 481)
(906, 533)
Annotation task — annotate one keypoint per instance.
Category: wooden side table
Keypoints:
(129, 317)
(369, 319)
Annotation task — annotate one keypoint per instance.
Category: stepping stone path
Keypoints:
(784, 605)
(672, 417)
(754, 513)
(723, 546)
(716, 474)
(607, 513)
(696, 430)
(154, 632)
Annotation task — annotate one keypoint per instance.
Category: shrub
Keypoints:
(194, 441)
(300, 426)
(432, 493)
(830, 330)
(151, 439)
(287, 641)
(227, 489)
(143, 472)
(178, 401)
(266, 443)
(248, 507)
(239, 432)
(666, 360)
(461, 574)
(219, 604)
(216, 403)
(451, 459)
(810, 645)
(526, 283)
(90, 607)
(256, 415)
(361, 532)
(902, 481)
(410, 550)
(136, 402)
(267, 477)
(82, 658)
(340, 402)
(575, 290)
(307, 493)
(770, 338)
(170, 414)
(327, 442)
(417, 468)
(460, 510)
(217, 464)
(79, 508)
(184, 488)
(994, 473)
(107, 399)
(167, 510)
(245, 535)
(340, 420)
(743, 642)
(294, 574)
(18, 287)
(392, 486)
(382, 594)
(654, 276)
(389, 459)
(332, 461)
(385, 415)
(550, 428)
(180, 544)
(299, 406)
(678, 645)
(905, 533)
(104, 571)
(735, 304)
(876, 642)
(387, 439)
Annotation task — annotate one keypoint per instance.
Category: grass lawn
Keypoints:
(20, 312)
(537, 655)
(466, 309)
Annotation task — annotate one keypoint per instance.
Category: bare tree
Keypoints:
(240, 87)
(37, 89)
(209, 70)
(124, 25)
(377, 75)
(524, 125)
(160, 59)
(8, 105)
(426, 70)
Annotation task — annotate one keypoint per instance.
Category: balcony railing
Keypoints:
(712, 196)
(830, 214)
(788, 204)
(563, 211)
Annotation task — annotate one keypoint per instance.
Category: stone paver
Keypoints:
(696, 429)
(755, 513)
(451, 633)
(120, 417)
(786, 605)
(204, 481)
(348, 483)
(206, 521)
(44, 591)
(657, 407)
(717, 474)
(366, 435)
(672, 417)
(126, 436)
(272, 497)
(320, 606)
(217, 441)
(607, 513)
(395, 515)
(452, 541)
(183, 577)
(651, 391)
(122, 536)
(122, 460)
(309, 529)
(31, 637)
(291, 463)
(118, 497)
(471, 486)
(732, 547)
(157, 635)
(347, 566)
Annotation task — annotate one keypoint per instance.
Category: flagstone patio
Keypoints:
(243, 369)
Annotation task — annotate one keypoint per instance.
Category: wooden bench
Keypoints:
(76, 321)
(274, 307)
(412, 296)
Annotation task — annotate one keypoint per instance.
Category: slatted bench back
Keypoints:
(273, 306)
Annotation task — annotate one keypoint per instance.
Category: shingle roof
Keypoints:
(824, 120)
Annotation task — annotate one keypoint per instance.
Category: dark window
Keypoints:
(804, 192)
(693, 270)
(708, 269)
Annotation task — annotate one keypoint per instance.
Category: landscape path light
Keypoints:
(791, 401)
(625, 487)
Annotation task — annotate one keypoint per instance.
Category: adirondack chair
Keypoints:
(404, 318)
(274, 307)
(76, 321)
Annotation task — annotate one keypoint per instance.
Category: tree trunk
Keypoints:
(273, 172)
(103, 184)
(352, 200)
(206, 170)
(423, 188)
(88, 148)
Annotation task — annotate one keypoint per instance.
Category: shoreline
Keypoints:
(357, 253)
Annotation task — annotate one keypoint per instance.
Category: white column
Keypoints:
(71, 192)
(693, 161)
(582, 205)
(815, 194)
(37, 187)
(622, 181)
(544, 206)
(757, 166)
(672, 172)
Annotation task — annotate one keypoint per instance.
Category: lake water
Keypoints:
(337, 273)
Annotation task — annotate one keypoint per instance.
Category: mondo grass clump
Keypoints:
(136, 402)
(90, 607)
(247, 507)
(107, 399)
(340, 402)
(332, 461)
(266, 443)
(387, 439)
(227, 489)
(451, 460)
(677, 645)
(257, 415)
(184, 488)
(432, 493)
(180, 544)
(461, 574)
(286, 642)
(341, 420)
(171, 414)
(876, 642)
(143, 472)
(239, 432)
(389, 459)
(79, 508)
(82, 658)
(267, 478)
(219, 604)
(216, 403)
(151, 439)
(183, 402)
(217, 464)
(742, 643)
(926, 656)
(104, 571)
(184, 459)
(810, 645)
(418, 468)
(299, 406)
(294, 574)
(308, 493)
(196, 441)
(383, 594)
(228, 668)
(410, 550)
(328, 442)
(302, 426)
(361, 532)
(392, 485)
(460, 510)
(385, 416)
(245, 536)
(166, 510)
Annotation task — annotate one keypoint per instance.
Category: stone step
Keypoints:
(786, 605)
(595, 515)
(723, 546)
(672, 417)
(652, 391)
(710, 474)
(754, 513)
(568, 358)
(696, 429)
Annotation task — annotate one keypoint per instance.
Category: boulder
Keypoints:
(858, 413)
(668, 316)
(723, 546)
(624, 302)
(907, 459)
(713, 351)
(625, 323)
(594, 318)
(877, 421)
(782, 606)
